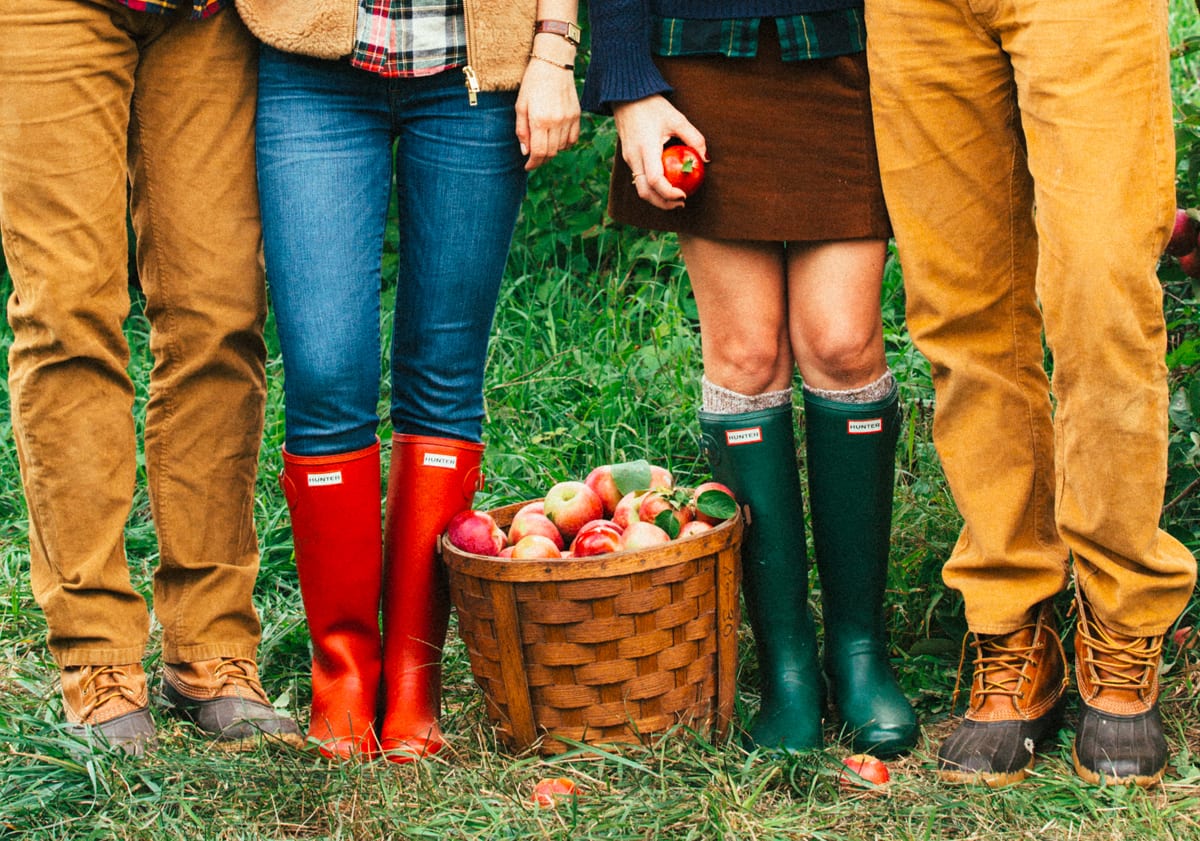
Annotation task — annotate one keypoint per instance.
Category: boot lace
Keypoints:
(998, 665)
(238, 676)
(1116, 662)
(101, 684)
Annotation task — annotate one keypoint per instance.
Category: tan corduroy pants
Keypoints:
(1027, 157)
(97, 103)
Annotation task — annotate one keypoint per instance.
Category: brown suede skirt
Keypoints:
(791, 148)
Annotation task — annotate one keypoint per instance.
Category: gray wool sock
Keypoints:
(724, 401)
(869, 393)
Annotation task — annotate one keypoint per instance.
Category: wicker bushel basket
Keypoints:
(612, 648)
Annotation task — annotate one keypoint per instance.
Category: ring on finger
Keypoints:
(636, 176)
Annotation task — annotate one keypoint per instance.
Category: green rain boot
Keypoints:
(754, 453)
(851, 471)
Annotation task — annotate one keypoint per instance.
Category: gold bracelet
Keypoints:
(552, 61)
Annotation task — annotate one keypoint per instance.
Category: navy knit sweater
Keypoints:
(621, 67)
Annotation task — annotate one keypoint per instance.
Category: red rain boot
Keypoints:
(431, 480)
(334, 502)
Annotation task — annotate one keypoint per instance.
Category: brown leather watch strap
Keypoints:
(563, 28)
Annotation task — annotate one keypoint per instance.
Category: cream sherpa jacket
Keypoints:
(499, 33)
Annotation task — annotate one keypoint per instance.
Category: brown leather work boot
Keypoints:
(111, 701)
(1016, 702)
(1120, 738)
(224, 698)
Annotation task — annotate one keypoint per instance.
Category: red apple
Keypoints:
(602, 482)
(1184, 638)
(693, 528)
(547, 793)
(570, 504)
(1190, 263)
(526, 522)
(535, 546)
(863, 771)
(1183, 236)
(598, 537)
(705, 487)
(641, 535)
(475, 532)
(626, 510)
(660, 477)
(656, 502)
(506, 552)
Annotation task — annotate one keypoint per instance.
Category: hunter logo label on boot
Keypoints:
(440, 460)
(868, 426)
(735, 437)
(317, 480)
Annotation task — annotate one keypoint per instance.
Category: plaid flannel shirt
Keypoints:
(410, 37)
(817, 35)
(200, 8)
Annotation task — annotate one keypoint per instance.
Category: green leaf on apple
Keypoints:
(631, 475)
(716, 504)
(668, 522)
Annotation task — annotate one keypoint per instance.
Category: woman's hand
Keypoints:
(547, 112)
(645, 126)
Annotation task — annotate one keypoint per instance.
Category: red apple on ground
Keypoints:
(535, 546)
(570, 504)
(598, 537)
(527, 522)
(706, 516)
(863, 771)
(641, 535)
(693, 528)
(1184, 638)
(547, 793)
(1183, 236)
(602, 482)
(476, 532)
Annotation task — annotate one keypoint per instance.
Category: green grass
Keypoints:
(595, 358)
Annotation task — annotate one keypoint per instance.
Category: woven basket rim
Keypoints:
(598, 566)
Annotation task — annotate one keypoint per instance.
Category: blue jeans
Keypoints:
(330, 139)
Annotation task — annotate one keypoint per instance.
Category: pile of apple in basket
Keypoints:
(618, 507)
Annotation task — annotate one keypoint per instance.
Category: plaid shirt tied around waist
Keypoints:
(405, 38)
(801, 37)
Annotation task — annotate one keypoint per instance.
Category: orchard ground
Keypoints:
(595, 359)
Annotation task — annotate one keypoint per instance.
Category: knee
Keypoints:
(748, 369)
(845, 356)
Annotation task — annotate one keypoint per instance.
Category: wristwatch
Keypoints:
(563, 28)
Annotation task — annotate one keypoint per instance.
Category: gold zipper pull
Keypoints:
(472, 84)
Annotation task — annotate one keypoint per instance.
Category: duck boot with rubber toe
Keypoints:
(1016, 702)
(223, 697)
(1119, 740)
(111, 702)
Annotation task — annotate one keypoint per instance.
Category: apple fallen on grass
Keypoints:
(571, 504)
(547, 793)
(476, 532)
(863, 771)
